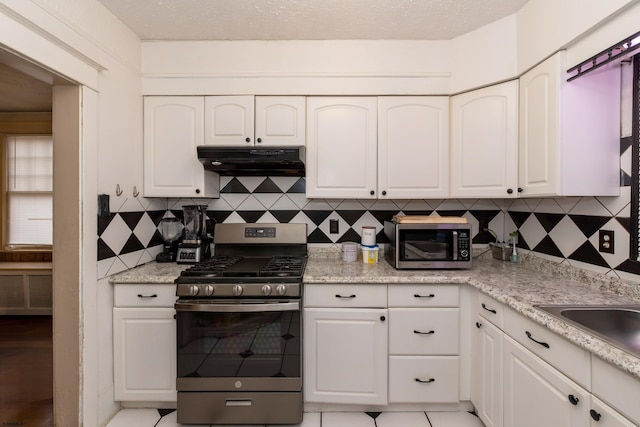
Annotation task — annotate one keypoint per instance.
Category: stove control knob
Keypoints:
(266, 290)
(237, 290)
(281, 290)
(193, 290)
(208, 290)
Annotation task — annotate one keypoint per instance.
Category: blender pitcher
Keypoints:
(195, 244)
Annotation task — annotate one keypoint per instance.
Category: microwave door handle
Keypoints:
(455, 245)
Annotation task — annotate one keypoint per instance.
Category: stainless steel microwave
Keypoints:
(428, 245)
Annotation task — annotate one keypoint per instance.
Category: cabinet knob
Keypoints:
(384, 193)
(382, 318)
(248, 139)
(574, 400)
(596, 416)
(197, 191)
(372, 192)
(259, 140)
(509, 190)
(520, 190)
(478, 325)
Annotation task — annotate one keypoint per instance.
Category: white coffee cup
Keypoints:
(368, 236)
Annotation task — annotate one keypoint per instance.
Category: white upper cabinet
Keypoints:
(242, 121)
(341, 147)
(484, 142)
(173, 128)
(413, 147)
(569, 141)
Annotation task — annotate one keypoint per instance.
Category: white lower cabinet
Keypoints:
(422, 379)
(144, 343)
(486, 389)
(345, 355)
(536, 394)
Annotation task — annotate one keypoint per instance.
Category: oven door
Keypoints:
(247, 345)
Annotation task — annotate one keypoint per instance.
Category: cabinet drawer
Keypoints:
(424, 379)
(419, 331)
(345, 295)
(618, 389)
(491, 310)
(424, 295)
(148, 295)
(560, 353)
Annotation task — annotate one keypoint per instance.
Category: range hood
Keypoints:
(252, 161)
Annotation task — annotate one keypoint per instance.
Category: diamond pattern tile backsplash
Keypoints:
(562, 229)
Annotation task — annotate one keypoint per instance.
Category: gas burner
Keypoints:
(211, 267)
(283, 266)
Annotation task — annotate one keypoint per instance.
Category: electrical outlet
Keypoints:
(103, 206)
(334, 226)
(605, 241)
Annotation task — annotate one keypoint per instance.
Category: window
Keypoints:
(28, 191)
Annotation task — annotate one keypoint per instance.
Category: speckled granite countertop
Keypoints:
(519, 286)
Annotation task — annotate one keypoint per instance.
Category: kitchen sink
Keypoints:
(619, 325)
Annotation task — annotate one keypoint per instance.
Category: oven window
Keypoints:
(429, 245)
(264, 344)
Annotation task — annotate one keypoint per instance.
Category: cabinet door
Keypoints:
(484, 142)
(341, 147)
(173, 127)
(413, 147)
(602, 415)
(228, 120)
(345, 352)
(280, 120)
(144, 348)
(486, 378)
(535, 394)
(540, 128)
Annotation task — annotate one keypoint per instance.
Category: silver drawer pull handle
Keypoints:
(423, 296)
(430, 380)
(147, 296)
(345, 296)
(238, 402)
(423, 333)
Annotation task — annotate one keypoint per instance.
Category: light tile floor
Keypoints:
(167, 418)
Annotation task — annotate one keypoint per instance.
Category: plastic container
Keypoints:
(369, 254)
(349, 251)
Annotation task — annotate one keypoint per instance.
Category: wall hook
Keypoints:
(118, 190)
(136, 193)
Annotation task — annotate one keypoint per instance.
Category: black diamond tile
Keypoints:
(381, 237)
(351, 216)
(547, 246)
(156, 239)
(629, 266)
(625, 144)
(267, 186)
(373, 415)
(131, 218)
(519, 217)
(299, 187)
(317, 236)
(587, 253)
(250, 216)
(418, 212)
(284, 216)
(165, 412)
(133, 244)
(548, 220)
(218, 217)
(104, 251)
(317, 217)
(522, 243)
(156, 216)
(235, 186)
(103, 223)
(625, 222)
(450, 213)
(350, 236)
(246, 353)
(589, 224)
(178, 213)
(625, 179)
(483, 237)
(484, 217)
(383, 216)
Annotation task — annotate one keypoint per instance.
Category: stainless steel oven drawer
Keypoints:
(239, 408)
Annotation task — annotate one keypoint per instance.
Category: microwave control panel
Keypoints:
(464, 244)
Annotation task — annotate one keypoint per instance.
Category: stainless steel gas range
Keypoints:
(239, 328)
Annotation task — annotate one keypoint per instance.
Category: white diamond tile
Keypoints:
(267, 218)
(497, 224)
(350, 205)
(284, 183)
(309, 419)
(451, 205)
(115, 202)
(454, 419)
(116, 234)
(135, 417)
(301, 218)
(251, 182)
(154, 204)
(342, 225)
(132, 259)
(317, 205)
(549, 206)
(299, 199)
(234, 218)
(589, 206)
(404, 419)
(225, 180)
(434, 203)
(145, 229)
(150, 254)
(267, 199)
(467, 203)
(367, 220)
(219, 205)
(347, 419)
(626, 161)
(367, 203)
(417, 205)
(401, 203)
(567, 236)
(519, 205)
(251, 203)
(334, 203)
(484, 205)
(177, 204)
(234, 199)
(131, 205)
(620, 204)
(567, 203)
(104, 266)
(532, 231)
(384, 205)
(553, 258)
(284, 203)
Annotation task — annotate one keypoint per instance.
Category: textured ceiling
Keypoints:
(308, 19)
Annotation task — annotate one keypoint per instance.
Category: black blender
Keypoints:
(196, 243)
(170, 229)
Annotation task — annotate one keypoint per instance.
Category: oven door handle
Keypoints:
(238, 308)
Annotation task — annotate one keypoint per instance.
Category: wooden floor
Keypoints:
(26, 371)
